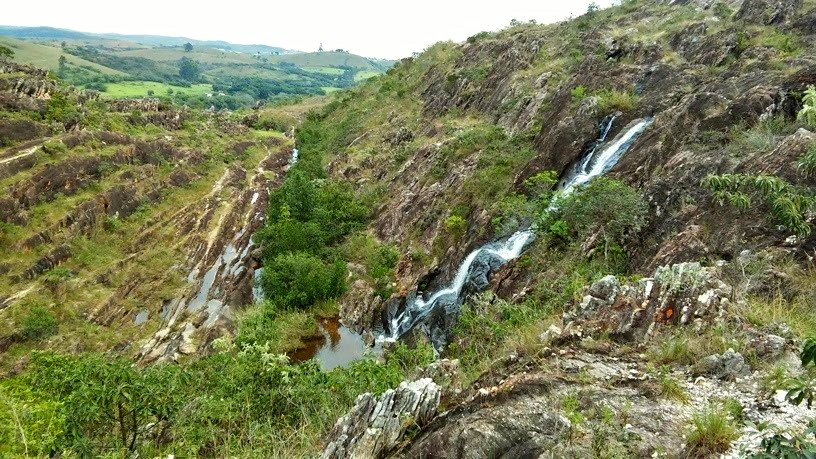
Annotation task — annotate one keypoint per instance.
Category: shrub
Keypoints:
(711, 433)
(298, 280)
(789, 204)
(788, 446)
(722, 10)
(578, 93)
(240, 399)
(456, 226)
(63, 109)
(604, 206)
(38, 324)
(807, 163)
(802, 389)
(53, 147)
(614, 100)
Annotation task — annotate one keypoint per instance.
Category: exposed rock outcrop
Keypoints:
(683, 294)
(374, 426)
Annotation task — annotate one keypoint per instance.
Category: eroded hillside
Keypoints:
(126, 224)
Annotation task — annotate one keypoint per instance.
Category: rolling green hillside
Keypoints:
(145, 65)
(47, 57)
(331, 59)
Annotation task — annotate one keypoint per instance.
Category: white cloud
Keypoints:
(370, 28)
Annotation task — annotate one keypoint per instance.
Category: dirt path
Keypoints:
(28, 152)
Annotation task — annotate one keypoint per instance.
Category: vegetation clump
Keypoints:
(789, 204)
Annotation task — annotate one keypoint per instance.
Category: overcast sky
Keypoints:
(371, 28)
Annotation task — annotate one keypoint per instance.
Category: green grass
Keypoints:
(324, 70)
(325, 59)
(365, 74)
(132, 89)
(711, 432)
(47, 57)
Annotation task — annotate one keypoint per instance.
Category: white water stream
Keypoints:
(597, 162)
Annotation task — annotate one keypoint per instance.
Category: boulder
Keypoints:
(375, 425)
(767, 346)
(727, 366)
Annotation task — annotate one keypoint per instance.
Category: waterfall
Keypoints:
(597, 161)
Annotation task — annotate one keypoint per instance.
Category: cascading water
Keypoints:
(596, 162)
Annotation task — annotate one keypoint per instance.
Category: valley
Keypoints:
(590, 238)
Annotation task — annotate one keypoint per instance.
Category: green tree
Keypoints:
(606, 207)
(6, 53)
(298, 280)
(62, 62)
(107, 402)
(188, 47)
(189, 69)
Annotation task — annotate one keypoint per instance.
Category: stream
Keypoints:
(478, 265)
(338, 346)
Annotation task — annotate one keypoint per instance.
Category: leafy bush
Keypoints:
(456, 226)
(298, 280)
(789, 204)
(802, 389)
(808, 112)
(241, 399)
(606, 207)
(307, 217)
(38, 323)
(788, 446)
(63, 109)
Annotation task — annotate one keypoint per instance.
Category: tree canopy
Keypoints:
(189, 69)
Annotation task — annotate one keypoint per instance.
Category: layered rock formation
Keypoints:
(375, 425)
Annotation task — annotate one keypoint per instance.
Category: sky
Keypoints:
(371, 28)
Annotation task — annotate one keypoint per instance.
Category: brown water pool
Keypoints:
(337, 346)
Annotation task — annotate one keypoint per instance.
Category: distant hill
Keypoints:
(333, 59)
(227, 75)
(47, 57)
(159, 40)
(40, 32)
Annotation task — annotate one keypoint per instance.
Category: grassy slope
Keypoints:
(47, 57)
(131, 89)
(325, 59)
